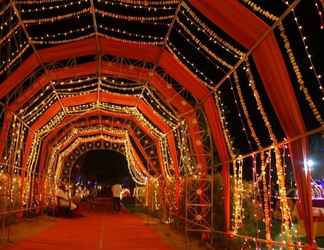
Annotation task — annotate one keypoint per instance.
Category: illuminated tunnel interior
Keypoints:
(202, 115)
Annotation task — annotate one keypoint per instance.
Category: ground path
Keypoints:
(96, 230)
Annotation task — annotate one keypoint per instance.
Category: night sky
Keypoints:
(103, 166)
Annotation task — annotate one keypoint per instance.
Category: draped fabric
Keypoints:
(217, 132)
(284, 102)
(246, 28)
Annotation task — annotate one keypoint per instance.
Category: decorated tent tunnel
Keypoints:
(156, 64)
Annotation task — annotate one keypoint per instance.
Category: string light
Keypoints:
(259, 102)
(200, 45)
(7, 23)
(167, 162)
(151, 2)
(238, 194)
(51, 7)
(220, 109)
(142, 19)
(264, 164)
(245, 111)
(45, 38)
(319, 12)
(17, 55)
(130, 34)
(260, 10)
(76, 14)
(204, 28)
(12, 32)
(238, 109)
(285, 211)
(299, 76)
(157, 6)
(130, 41)
(174, 51)
(46, 1)
(312, 67)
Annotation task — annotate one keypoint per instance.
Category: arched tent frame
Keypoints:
(51, 147)
(62, 157)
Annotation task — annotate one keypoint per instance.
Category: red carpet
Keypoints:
(96, 231)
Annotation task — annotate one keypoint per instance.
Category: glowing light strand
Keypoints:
(57, 18)
(239, 111)
(200, 45)
(134, 18)
(245, 110)
(210, 32)
(260, 10)
(312, 67)
(299, 76)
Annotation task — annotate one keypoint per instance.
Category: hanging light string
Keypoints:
(245, 111)
(62, 5)
(221, 113)
(256, 194)
(265, 163)
(46, 36)
(4, 24)
(309, 56)
(146, 2)
(32, 115)
(286, 228)
(303, 38)
(238, 192)
(259, 102)
(177, 54)
(200, 26)
(130, 41)
(131, 34)
(7, 37)
(148, 5)
(53, 19)
(200, 45)
(126, 88)
(163, 110)
(79, 88)
(239, 110)
(299, 75)
(31, 2)
(142, 19)
(320, 13)
(16, 56)
(286, 217)
(255, 7)
(34, 101)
